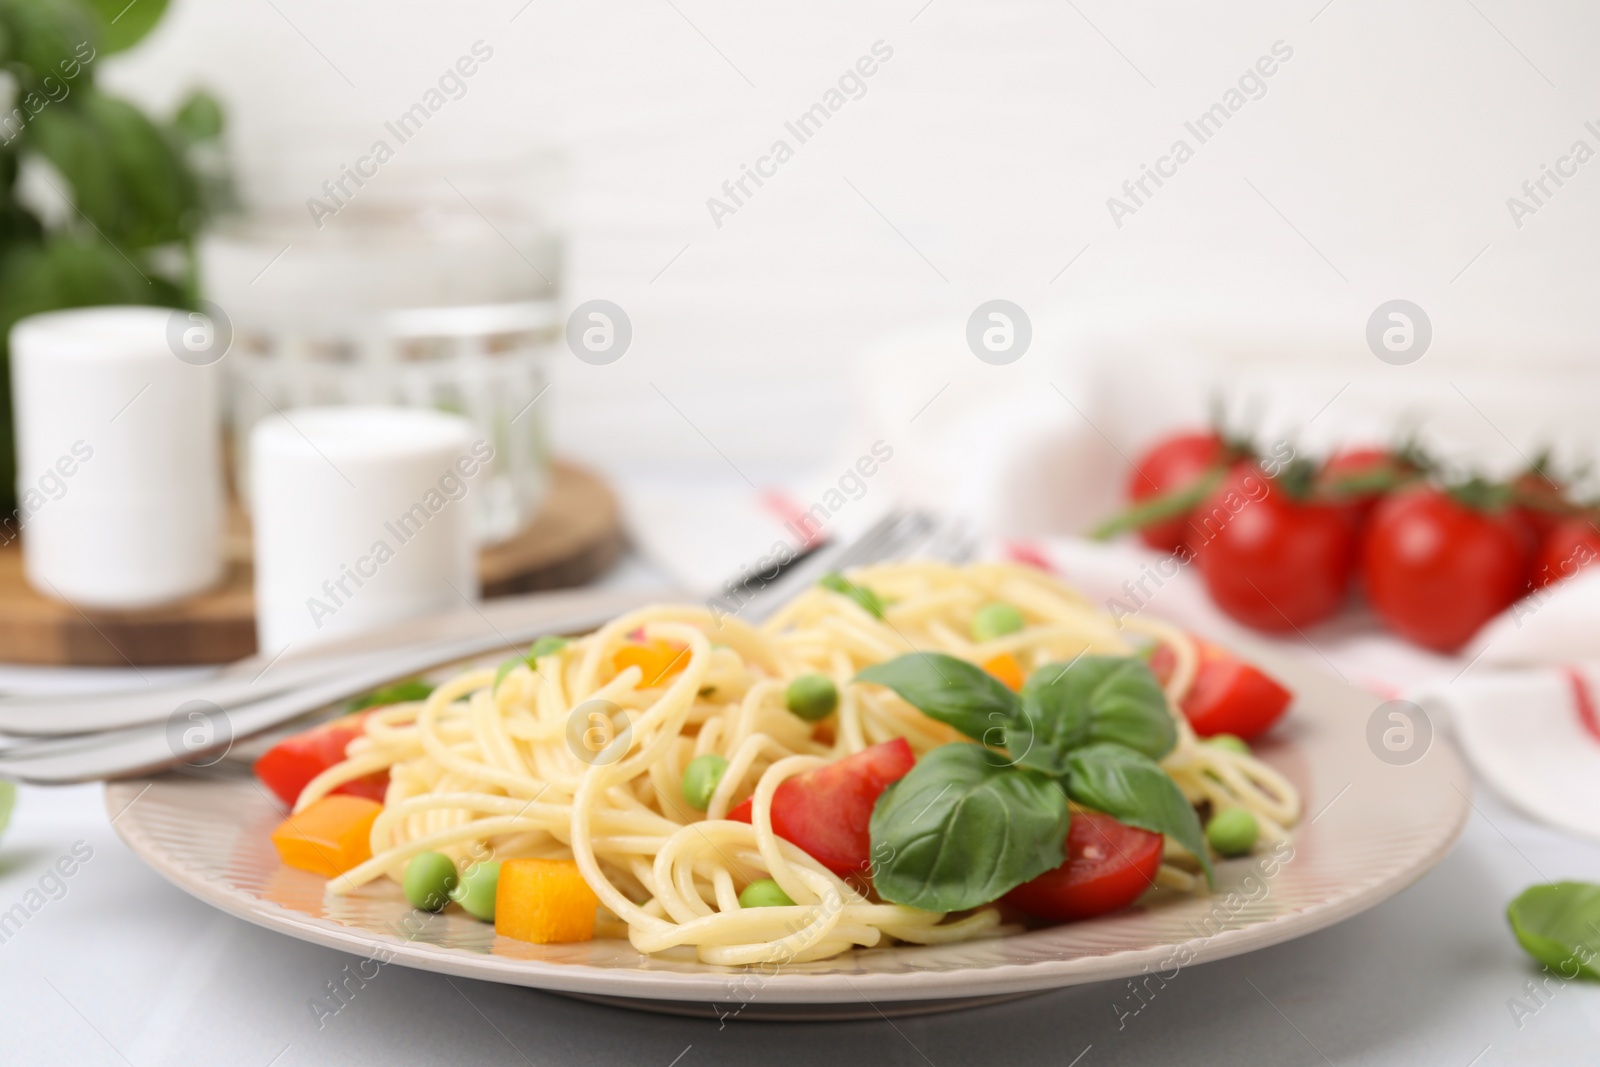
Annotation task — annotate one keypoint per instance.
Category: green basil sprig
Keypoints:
(870, 602)
(955, 692)
(544, 646)
(966, 827)
(970, 822)
(1132, 788)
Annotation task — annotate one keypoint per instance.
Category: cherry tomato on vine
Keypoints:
(1571, 545)
(1176, 462)
(1436, 568)
(1541, 500)
(1360, 477)
(1108, 865)
(1270, 559)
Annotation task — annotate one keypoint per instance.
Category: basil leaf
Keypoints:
(399, 693)
(1132, 788)
(1559, 925)
(963, 828)
(870, 602)
(1093, 699)
(507, 665)
(545, 646)
(548, 645)
(955, 692)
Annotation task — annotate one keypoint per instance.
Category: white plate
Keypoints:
(1371, 829)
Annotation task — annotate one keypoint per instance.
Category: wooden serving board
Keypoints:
(576, 537)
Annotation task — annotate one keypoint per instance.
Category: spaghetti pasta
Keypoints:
(572, 758)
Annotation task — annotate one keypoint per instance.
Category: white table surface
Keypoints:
(124, 968)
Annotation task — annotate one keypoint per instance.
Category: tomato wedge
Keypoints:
(290, 765)
(1109, 864)
(1229, 696)
(827, 811)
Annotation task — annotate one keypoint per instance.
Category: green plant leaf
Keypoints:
(159, 195)
(199, 117)
(69, 271)
(1093, 699)
(48, 38)
(1132, 788)
(963, 828)
(69, 140)
(955, 692)
(870, 602)
(124, 24)
(124, 175)
(1559, 925)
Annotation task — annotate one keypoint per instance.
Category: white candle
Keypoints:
(361, 518)
(119, 472)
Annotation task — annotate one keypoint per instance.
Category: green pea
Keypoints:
(1232, 831)
(812, 697)
(1229, 743)
(430, 878)
(764, 894)
(700, 779)
(475, 892)
(995, 620)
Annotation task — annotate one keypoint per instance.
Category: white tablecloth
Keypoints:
(125, 968)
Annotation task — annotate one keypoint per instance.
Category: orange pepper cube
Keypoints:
(546, 902)
(657, 660)
(1006, 668)
(328, 837)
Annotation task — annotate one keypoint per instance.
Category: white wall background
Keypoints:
(977, 165)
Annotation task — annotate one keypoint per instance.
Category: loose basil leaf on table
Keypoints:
(1559, 925)
(965, 827)
(1132, 788)
(955, 692)
(1090, 700)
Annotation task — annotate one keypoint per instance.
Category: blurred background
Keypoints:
(977, 165)
(797, 213)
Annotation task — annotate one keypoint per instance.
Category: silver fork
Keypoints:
(65, 716)
(156, 745)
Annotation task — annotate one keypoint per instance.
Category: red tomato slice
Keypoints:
(826, 812)
(1229, 696)
(1108, 866)
(290, 765)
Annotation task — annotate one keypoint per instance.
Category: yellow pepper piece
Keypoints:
(1006, 668)
(544, 901)
(329, 837)
(658, 661)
